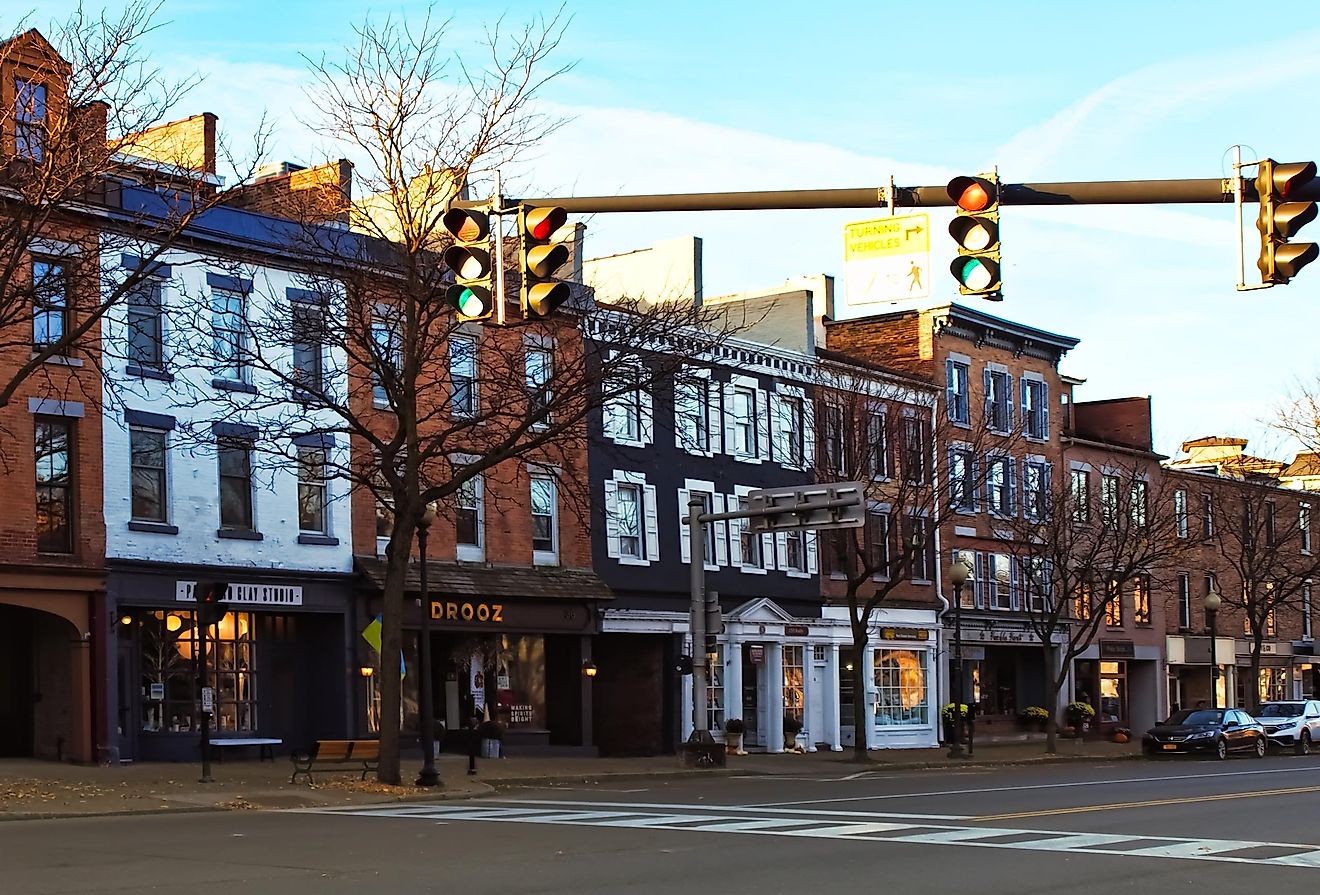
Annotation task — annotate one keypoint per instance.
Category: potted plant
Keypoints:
(1079, 716)
(492, 738)
(733, 734)
(792, 727)
(1035, 717)
(949, 717)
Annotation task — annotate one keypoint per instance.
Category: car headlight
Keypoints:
(1203, 735)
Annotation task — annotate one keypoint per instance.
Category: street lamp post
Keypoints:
(429, 775)
(1212, 603)
(958, 575)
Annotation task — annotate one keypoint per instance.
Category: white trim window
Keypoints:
(1000, 486)
(696, 411)
(313, 491)
(916, 459)
(835, 440)
(793, 548)
(998, 384)
(1109, 499)
(1035, 489)
(921, 543)
(149, 474)
(962, 481)
(1304, 525)
(957, 390)
(627, 412)
(470, 520)
(1035, 407)
(1184, 602)
(544, 504)
(386, 352)
(999, 581)
(1306, 611)
(716, 544)
(1180, 512)
(744, 415)
(792, 446)
(539, 372)
(748, 549)
(632, 528)
(463, 394)
(30, 119)
(877, 436)
(1080, 490)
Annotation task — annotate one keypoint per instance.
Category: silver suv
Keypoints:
(1292, 724)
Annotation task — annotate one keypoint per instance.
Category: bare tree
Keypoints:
(1078, 554)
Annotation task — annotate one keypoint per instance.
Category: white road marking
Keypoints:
(810, 824)
(749, 809)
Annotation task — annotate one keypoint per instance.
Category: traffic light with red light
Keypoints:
(975, 229)
(1280, 219)
(541, 294)
(210, 601)
(469, 258)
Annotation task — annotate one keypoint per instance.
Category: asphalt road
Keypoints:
(1180, 826)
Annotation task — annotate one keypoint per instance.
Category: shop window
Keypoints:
(902, 698)
(503, 677)
(170, 653)
(1113, 693)
(793, 687)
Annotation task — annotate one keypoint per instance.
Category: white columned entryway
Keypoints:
(833, 735)
(867, 713)
(774, 691)
(809, 696)
(733, 687)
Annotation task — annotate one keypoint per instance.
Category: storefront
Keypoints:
(1189, 671)
(507, 645)
(279, 661)
(1003, 671)
(1120, 680)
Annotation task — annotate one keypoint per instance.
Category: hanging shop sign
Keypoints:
(247, 594)
(1117, 649)
(756, 653)
(904, 634)
(796, 630)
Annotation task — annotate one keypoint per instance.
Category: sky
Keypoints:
(696, 97)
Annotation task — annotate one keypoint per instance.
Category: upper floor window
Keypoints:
(469, 519)
(545, 518)
(148, 474)
(1035, 489)
(834, 440)
(30, 119)
(1035, 408)
(312, 491)
(1138, 496)
(227, 316)
(50, 306)
(54, 528)
(1081, 495)
(1113, 604)
(999, 486)
(1184, 601)
(962, 484)
(463, 375)
(745, 418)
(624, 412)
(795, 551)
(146, 337)
(998, 401)
(1270, 528)
(235, 461)
(1109, 499)
(957, 391)
(915, 462)
(877, 540)
(1000, 583)
(792, 431)
(387, 353)
(1304, 525)
(1180, 512)
(877, 436)
(692, 412)
(920, 542)
(1306, 611)
(539, 370)
(749, 541)
(308, 345)
(1207, 516)
(1141, 600)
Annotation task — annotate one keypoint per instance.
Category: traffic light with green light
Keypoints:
(541, 256)
(1280, 219)
(975, 229)
(469, 258)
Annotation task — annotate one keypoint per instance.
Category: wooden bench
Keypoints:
(265, 746)
(363, 753)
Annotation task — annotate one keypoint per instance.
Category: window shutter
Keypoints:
(979, 588)
(989, 398)
(1010, 476)
(646, 416)
(808, 433)
(715, 420)
(729, 419)
(781, 550)
(721, 531)
(950, 390)
(778, 430)
(1026, 403)
(1044, 410)
(1008, 404)
(1014, 583)
(735, 533)
(762, 425)
(812, 567)
(768, 551)
(651, 515)
(612, 418)
(684, 548)
(612, 518)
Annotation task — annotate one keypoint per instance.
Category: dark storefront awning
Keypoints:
(479, 581)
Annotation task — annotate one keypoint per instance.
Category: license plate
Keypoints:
(1170, 747)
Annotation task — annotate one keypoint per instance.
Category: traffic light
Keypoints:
(469, 258)
(541, 294)
(210, 601)
(975, 229)
(1280, 219)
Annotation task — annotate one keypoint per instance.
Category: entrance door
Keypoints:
(17, 681)
(751, 687)
(816, 705)
(128, 719)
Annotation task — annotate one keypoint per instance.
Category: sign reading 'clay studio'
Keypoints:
(249, 594)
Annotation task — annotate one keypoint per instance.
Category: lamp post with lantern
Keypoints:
(1212, 603)
(959, 572)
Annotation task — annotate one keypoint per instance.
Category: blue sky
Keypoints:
(719, 96)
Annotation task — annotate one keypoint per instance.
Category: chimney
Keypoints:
(187, 144)
(286, 190)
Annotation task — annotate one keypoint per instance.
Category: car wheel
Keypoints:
(1260, 747)
(1304, 743)
(1221, 749)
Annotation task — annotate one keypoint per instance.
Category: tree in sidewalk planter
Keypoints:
(1078, 564)
(889, 431)
(438, 412)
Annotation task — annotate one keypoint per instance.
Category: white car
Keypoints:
(1292, 724)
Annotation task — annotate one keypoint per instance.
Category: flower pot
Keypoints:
(733, 744)
(791, 743)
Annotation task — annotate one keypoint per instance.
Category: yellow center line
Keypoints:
(1081, 809)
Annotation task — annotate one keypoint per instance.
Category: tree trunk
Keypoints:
(1054, 678)
(1252, 689)
(391, 644)
(861, 722)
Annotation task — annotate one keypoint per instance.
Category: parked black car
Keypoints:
(1215, 731)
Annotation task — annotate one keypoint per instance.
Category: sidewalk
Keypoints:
(36, 789)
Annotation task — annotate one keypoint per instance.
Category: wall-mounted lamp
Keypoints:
(589, 668)
(366, 671)
(126, 619)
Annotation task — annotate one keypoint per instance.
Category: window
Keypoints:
(715, 689)
(793, 432)
(312, 491)
(147, 452)
(1141, 600)
(956, 391)
(1001, 581)
(545, 511)
(919, 540)
(749, 542)
(623, 412)
(50, 305)
(54, 486)
(169, 651)
(1035, 489)
(387, 353)
(707, 503)
(384, 508)
(462, 375)
(795, 552)
(962, 485)
(1207, 516)
(235, 484)
(1138, 508)
(793, 684)
(30, 119)
(744, 421)
(1180, 512)
(1113, 604)
(1271, 628)
(468, 517)
(1109, 499)
(1304, 526)
(1081, 496)
(914, 450)
(308, 345)
(1083, 602)
(539, 369)
(1036, 574)
(999, 401)
(227, 309)
(901, 698)
(1035, 409)
(146, 337)
(1306, 610)
(877, 435)
(1270, 528)
(877, 541)
(1184, 601)
(628, 518)
(999, 486)
(835, 440)
(692, 413)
